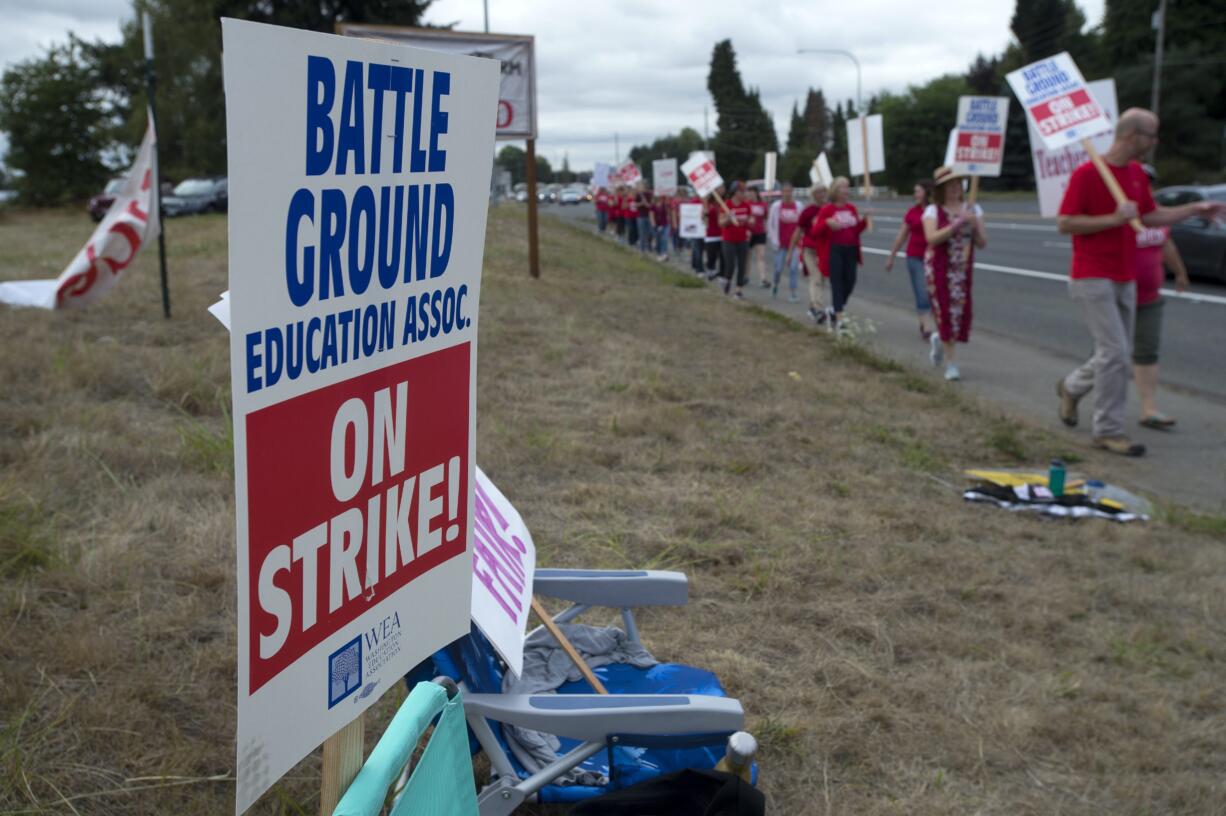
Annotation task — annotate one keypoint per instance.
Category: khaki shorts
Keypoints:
(1148, 333)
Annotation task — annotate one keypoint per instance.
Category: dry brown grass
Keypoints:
(897, 650)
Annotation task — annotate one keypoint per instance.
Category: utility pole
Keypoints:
(617, 151)
(486, 4)
(151, 78)
(706, 132)
(1159, 24)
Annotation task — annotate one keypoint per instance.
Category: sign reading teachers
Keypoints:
(979, 146)
(359, 177)
(1057, 102)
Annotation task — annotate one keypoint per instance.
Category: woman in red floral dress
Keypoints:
(953, 231)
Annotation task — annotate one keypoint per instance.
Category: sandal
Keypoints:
(1159, 422)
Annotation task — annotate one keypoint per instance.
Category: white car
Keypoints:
(570, 196)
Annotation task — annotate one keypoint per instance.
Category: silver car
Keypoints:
(1201, 242)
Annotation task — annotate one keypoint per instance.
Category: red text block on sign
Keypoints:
(1064, 112)
(354, 491)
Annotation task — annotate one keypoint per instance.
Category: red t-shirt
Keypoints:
(757, 217)
(807, 239)
(737, 233)
(630, 207)
(850, 225)
(713, 212)
(659, 214)
(916, 243)
(1150, 273)
(1111, 252)
(789, 215)
(602, 202)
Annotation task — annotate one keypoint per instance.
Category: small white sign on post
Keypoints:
(876, 145)
(600, 175)
(1052, 168)
(979, 140)
(820, 172)
(504, 561)
(356, 233)
(1058, 103)
(664, 176)
(690, 221)
(629, 173)
(702, 175)
(768, 175)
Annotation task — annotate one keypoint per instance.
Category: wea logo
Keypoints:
(344, 671)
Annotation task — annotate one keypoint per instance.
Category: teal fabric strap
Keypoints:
(442, 782)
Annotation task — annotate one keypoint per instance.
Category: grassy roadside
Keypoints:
(897, 650)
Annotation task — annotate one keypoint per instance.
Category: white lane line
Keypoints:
(1051, 276)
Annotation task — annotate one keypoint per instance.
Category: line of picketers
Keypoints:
(818, 239)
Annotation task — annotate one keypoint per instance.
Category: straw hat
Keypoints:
(943, 174)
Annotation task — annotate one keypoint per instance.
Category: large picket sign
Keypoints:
(359, 177)
(129, 223)
(664, 176)
(601, 175)
(1058, 102)
(690, 220)
(874, 129)
(979, 143)
(819, 171)
(702, 175)
(1052, 168)
(628, 173)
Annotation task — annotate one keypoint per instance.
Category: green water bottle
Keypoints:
(1055, 478)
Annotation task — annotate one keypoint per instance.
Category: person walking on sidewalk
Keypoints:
(661, 222)
(781, 224)
(1156, 253)
(713, 242)
(757, 234)
(953, 232)
(840, 222)
(734, 232)
(1103, 273)
(602, 209)
(814, 251)
(912, 233)
(647, 232)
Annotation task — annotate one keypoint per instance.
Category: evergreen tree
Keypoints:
(817, 121)
(838, 141)
(743, 128)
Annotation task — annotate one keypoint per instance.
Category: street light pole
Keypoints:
(859, 103)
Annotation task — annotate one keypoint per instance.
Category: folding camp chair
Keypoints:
(653, 721)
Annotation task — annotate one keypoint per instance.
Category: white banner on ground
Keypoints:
(1058, 103)
(820, 172)
(504, 561)
(628, 173)
(702, 175)
(1052, 168)
(979, 148)
(768, 174)
(690, 221)
(600, 175)
(664, 176)
(128, 224)
(355, 251)
(516, 106)
(876, 145)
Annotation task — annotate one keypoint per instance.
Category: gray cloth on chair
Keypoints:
(547, 666)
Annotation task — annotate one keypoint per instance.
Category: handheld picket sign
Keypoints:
(979, 148)
(664, 176)
(601, 175)
(703, 177)
(1063, 111)
(355, 251)
(1052, 168)
(820, 171)
(866, 147)
(768, 174)
(690, 220)
(629, 173)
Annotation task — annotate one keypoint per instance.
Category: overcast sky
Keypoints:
(638, 68)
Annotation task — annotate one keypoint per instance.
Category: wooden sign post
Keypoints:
(868, 189)
(1109, 179)
(343, 756)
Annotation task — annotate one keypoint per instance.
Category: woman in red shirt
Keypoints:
(615, 212)
(734, 233)
(602, 209)
(630, 212)
(912, 232)
(757, 235)
(839, 222)
(713, 242)
(813, 255)
(953, 231)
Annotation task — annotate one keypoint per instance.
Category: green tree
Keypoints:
(514, 160)
(60, 124)
(678, 146)
(744, 130)
(917, 125)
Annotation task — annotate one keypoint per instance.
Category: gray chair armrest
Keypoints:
(594, 716)
(613, 588)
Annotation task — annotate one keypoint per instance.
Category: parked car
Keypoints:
(99, 204)
(570, 195)
(521, 195)
(198, 195)
(1201, 242)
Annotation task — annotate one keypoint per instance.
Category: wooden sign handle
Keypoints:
(720, 199)
(868, 188)
(1110, 180)
(974, 194)
(342, 761)
(567, 647)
